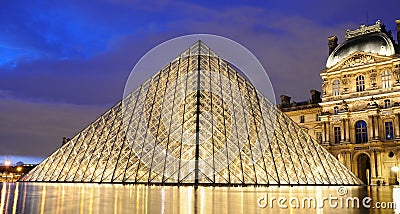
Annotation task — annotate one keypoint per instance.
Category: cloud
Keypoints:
(38, 30)
(30, 128)
(287, 44)
(81, 53)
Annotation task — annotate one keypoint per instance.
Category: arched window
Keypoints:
(336, 88)
(361, 132)
(360, 86)
(386, 79)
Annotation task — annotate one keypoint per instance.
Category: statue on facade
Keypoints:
(344, 107)
(372, 103)
(324, 85)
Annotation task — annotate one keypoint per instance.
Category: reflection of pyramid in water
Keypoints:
(168, 132)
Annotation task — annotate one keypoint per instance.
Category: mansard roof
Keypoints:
(369, 39)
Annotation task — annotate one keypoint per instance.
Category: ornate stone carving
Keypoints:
(358, 105)
(363, 29)
(358, 59)
(396, 74)
(344, 107)
(387, 114)
(372, 103)
(324, 85)
(372, 77)
(345, 82)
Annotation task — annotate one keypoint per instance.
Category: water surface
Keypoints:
(116, 198)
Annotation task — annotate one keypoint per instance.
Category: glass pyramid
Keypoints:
(198, 121)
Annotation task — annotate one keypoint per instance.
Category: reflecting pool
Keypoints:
(112, 198)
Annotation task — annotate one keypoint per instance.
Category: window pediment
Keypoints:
(359, 59)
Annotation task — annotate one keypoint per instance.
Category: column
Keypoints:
(376, 127)
(348, 159)
(323, 132)
(396, 126)
(328, 131)
(342, 131)
(373, 164)
(342, 158)
(347, 130)
(378, 164)
(371, 126)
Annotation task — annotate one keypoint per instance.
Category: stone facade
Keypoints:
(360, 106)
(307, 114)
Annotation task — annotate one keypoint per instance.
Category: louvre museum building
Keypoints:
(356, 114)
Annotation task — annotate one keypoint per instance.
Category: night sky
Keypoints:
(63, 63)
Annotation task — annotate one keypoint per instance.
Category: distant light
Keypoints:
(395, 169)
(19, 169)
(7, 163)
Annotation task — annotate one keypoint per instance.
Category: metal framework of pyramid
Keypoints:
(198, 121)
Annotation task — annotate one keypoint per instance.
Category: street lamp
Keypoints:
(19, 169)
(7, 163)
(396, 170)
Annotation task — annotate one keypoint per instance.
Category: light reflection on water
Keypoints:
(108, 198)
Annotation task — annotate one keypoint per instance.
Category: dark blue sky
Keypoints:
(62, 63)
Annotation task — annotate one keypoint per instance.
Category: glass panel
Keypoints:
(197, 121)
(361, 132)
(337, 135)
(389, 130)
(360, 86)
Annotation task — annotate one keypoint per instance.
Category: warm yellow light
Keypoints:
(19, 169)
(7, 163)
(395, 169)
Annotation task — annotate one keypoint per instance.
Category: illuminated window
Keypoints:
(360, 84)
(388, 130)
(336, 88)
(361, 132)
(386, 79)
(336, 131)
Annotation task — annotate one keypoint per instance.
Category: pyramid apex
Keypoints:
(195, 122)
(199, 43)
